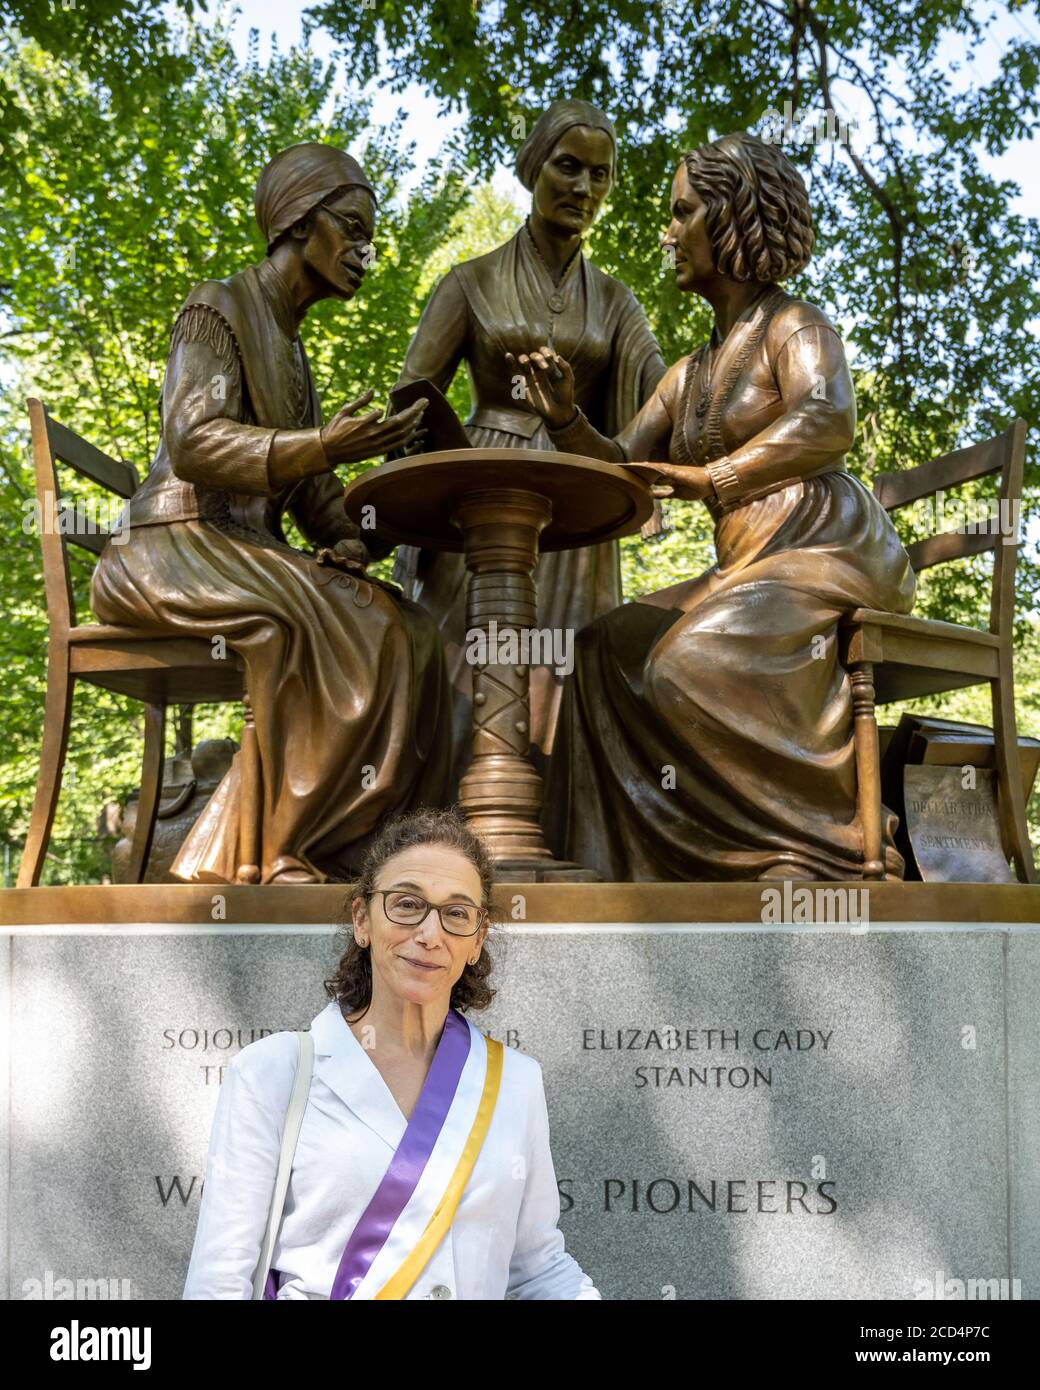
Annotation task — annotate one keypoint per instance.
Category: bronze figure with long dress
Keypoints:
(537, 287)
(346, 679)
(707, 729)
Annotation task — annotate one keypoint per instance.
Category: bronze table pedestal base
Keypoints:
(501, 793)
(501, 507)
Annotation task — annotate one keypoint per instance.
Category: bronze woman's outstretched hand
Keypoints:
(351, 438)
(688, 484)
(549, 384)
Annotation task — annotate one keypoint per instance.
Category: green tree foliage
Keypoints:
(121, 210)
(128, 157)
(119, 43)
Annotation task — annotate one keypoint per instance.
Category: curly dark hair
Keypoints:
(351, 985)
(758, 217)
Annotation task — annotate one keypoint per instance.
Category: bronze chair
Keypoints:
(891, 657)
(151, 666)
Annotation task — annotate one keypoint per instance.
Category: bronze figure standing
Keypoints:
(537, 287)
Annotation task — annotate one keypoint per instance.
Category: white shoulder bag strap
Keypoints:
(291, 1133)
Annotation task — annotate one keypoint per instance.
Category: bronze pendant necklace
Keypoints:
(757, 316)
(555, 302)
(714, 346)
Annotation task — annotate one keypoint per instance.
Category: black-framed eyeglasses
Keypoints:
(351, 225)
(408, 909)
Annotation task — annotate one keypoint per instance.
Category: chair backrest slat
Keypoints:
(61, 523)
(951, 470)
(999, 531)
(89, 462)
(1005, 557)
(88, 540)
(61, 610)
(949, 545)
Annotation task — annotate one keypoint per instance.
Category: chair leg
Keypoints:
(868, 767)
(57, 714)
(151, 790)
(251, 792)
(1011, 802)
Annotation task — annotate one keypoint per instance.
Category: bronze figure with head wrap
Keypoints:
(345, 677)
(300, 178)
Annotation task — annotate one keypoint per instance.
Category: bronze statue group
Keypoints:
(706, 730)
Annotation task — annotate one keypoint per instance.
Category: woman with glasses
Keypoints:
(337, 667)
(416, 1123)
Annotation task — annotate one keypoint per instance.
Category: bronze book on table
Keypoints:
(444, 431)
(443, 427)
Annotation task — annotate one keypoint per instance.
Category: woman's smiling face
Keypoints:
(421, 963)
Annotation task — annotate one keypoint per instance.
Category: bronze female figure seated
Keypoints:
(707, 730)
(346, 680)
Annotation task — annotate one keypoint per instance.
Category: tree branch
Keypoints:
(895, 220)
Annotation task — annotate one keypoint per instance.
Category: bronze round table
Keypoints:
(500, 507)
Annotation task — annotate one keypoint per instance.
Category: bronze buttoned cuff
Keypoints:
(725, 481)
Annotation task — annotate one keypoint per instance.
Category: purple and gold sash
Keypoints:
(401, 1178)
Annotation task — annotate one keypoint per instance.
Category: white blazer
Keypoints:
(504, 1241)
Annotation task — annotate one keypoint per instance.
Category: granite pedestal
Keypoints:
(738, 1110)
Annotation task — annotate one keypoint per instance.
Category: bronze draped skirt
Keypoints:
(712, 739)
(348, 688)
